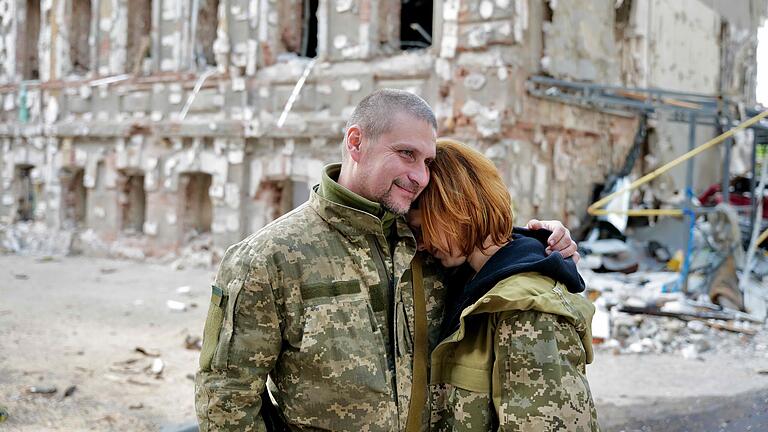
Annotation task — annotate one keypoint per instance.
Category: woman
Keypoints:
(514, 341)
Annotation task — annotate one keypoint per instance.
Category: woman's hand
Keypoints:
(560, 240)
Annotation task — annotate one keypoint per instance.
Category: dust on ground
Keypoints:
(77, 321)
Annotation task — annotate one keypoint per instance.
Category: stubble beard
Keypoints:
(390, 205)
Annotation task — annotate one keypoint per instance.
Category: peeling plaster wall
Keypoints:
(8, 29)
(579, 43)
(165, 118)
(677, 45)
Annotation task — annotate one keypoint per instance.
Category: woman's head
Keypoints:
(465, 206)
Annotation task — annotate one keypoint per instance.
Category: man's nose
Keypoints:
(420, 176)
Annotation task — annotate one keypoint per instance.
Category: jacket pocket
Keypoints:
(212, 328)
(341, 340)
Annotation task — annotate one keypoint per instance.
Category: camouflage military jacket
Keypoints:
(317, 302)
(517, 362)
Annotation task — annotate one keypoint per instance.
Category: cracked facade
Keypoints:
(155, 121)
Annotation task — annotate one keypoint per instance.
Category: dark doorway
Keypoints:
(26, 198)
(137, 44)
(196, 206)
(79, 32)
(205, 32)
(73, 198)
(133, 202)
(31, 63)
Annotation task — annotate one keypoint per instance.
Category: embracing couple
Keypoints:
(399, 298)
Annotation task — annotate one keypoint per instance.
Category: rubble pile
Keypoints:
(34, 238)
(199, 252)
(654, 293)
(38, 239)
(641, 334)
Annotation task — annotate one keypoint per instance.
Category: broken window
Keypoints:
(25, 193)
(205, 32)
(309, 29)
(79, 33)
(133, 202)
(415, 24)
(137, 44)
(197, 209)
(31, 66)
(73, 198)
(299, 40)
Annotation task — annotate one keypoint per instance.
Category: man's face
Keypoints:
(395, 168)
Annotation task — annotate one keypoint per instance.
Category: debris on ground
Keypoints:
(146, 352)
(70, 390)
(43, 389)
(176, 305)
(3, 413)
(131, 370)
(676, 287)
(157, 367)
(34, 238)
(198, 252)
(193, 342)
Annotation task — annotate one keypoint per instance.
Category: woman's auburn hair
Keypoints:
(466, 203)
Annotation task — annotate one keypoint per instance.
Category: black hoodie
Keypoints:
(525, 253)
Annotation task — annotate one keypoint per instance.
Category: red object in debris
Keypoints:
(713, 196)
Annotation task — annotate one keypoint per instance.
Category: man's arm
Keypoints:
(241, 350)
(539, 380)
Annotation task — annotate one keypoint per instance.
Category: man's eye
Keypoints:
(406, 153)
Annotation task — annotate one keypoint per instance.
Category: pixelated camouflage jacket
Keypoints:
(517, 361)
(316, 301)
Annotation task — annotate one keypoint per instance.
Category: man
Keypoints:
(321, 300)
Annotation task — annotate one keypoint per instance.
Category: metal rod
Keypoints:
(725, 185)
(752, 185)
(651, 90)
(669, 165)
(690, 164)
(295, 93)
(195, 91)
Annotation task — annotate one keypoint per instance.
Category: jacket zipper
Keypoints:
(384, 274)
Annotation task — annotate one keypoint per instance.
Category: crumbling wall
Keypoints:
(674, 45)
(487, 52)
(164, 120)
(579, 42)
(8, 39)
(279, 184)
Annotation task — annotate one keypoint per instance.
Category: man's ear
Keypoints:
(353, 142)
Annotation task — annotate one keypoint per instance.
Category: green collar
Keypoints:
(331, 190)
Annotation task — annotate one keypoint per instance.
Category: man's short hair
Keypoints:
(374, 113)
(466, 201)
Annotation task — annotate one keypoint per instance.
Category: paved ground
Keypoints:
(77, 321)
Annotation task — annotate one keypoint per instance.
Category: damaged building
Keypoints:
(157, 123)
